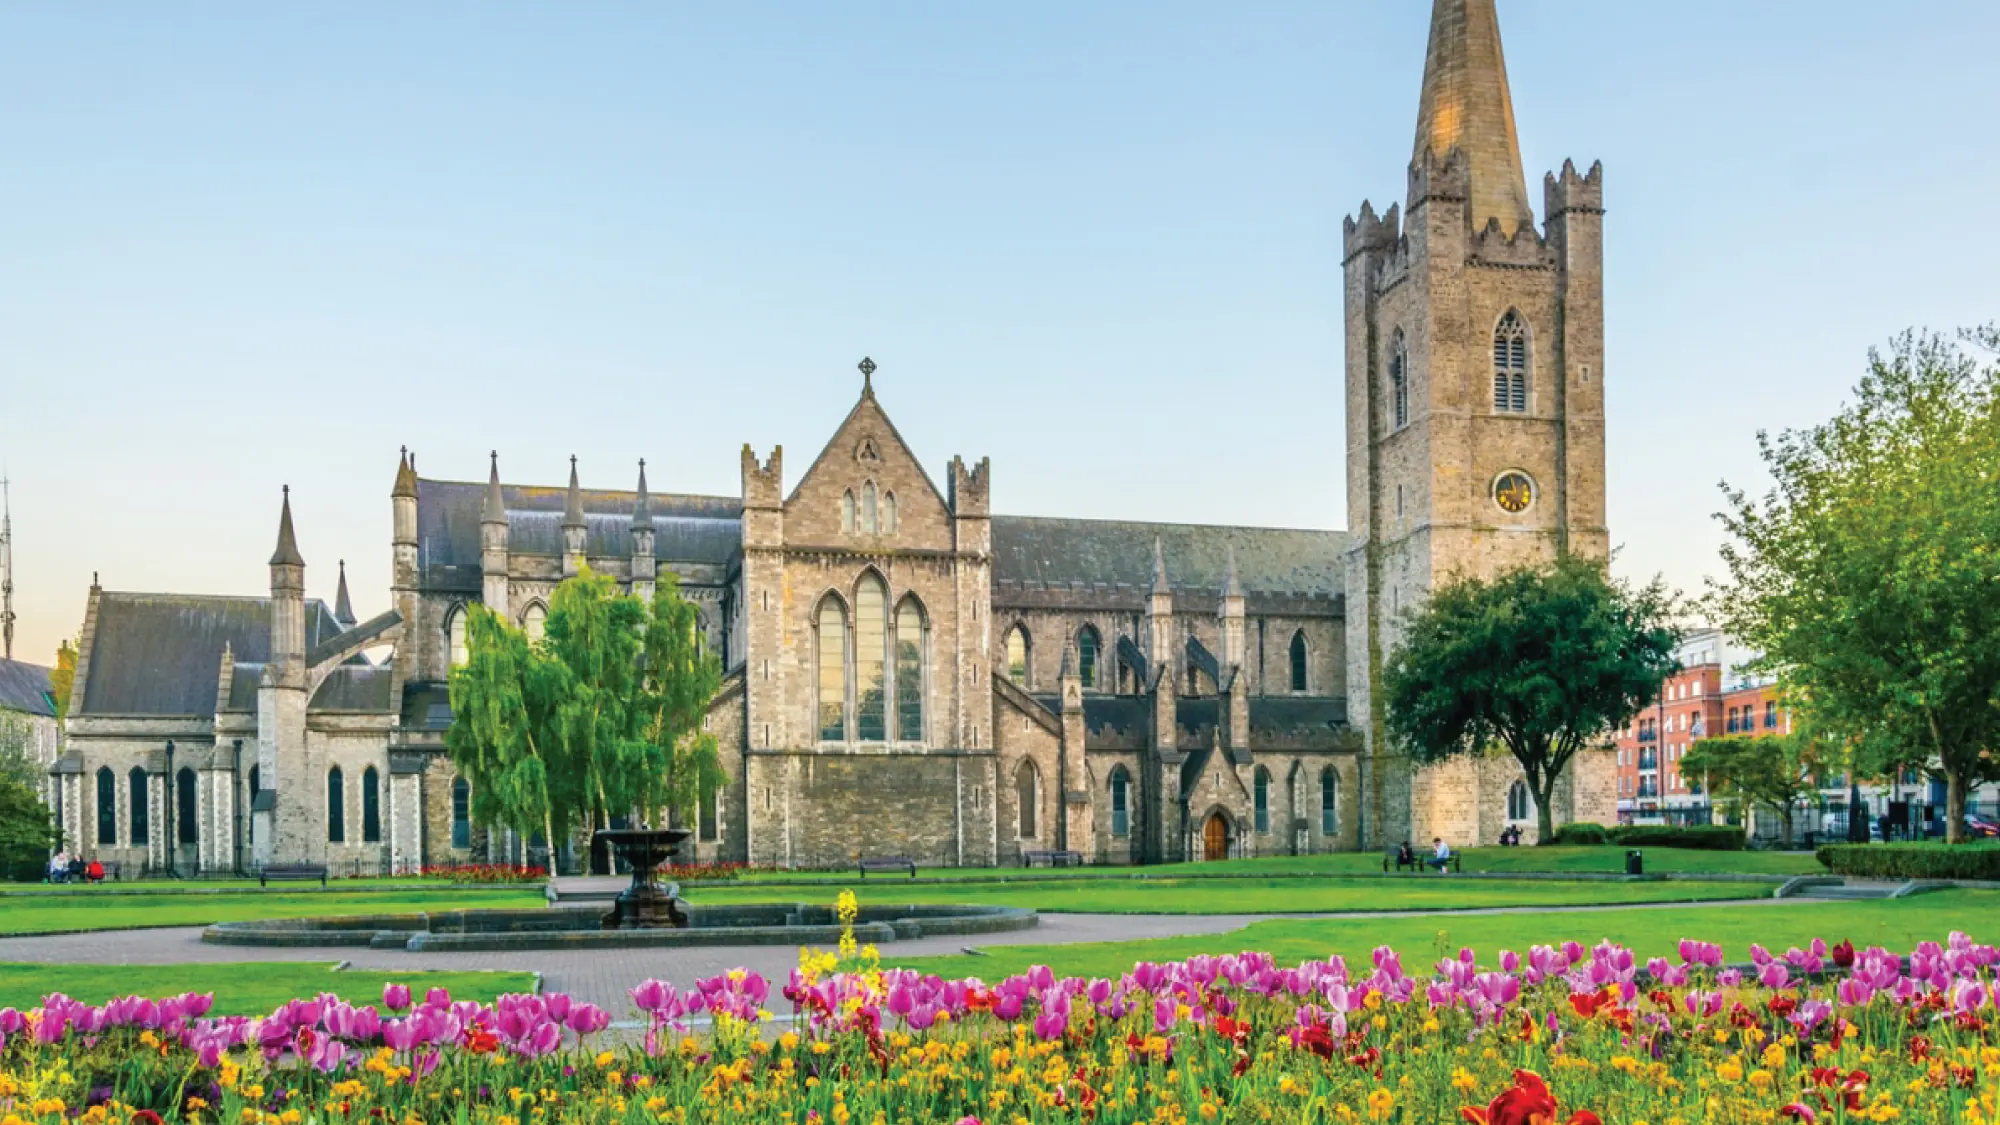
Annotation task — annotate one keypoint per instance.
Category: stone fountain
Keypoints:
(646, 905)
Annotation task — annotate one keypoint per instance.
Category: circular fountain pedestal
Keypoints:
(646, 905)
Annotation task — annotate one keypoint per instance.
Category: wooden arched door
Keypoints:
(1215, 838)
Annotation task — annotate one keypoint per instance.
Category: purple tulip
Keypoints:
(395, 996)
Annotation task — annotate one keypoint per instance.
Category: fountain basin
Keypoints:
(763, 923)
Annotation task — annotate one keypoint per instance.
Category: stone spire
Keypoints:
(1160, 585)
(494, 509)
(287, 553)
(343, 609)
(406, 478)
(1466, 106)
(642, 509)
(1232, 584)
(573, 503)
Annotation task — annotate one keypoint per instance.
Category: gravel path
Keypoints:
(603, 976)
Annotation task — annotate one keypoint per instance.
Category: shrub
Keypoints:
(1701, 837)
(1582, 834)
(1913, 861)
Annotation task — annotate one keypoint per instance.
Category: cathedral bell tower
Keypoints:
(1475, 390)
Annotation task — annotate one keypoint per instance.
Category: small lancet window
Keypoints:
(1399, 382)
(868, 524)
(847, 512)
(1510, 365)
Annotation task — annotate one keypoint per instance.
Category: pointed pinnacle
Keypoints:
(642, 508)
(573, 504)
(1232, 584)
(1160, 585)
(287, 553)
(494, 509)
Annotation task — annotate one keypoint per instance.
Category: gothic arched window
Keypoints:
(1017, 655)
(847, 512)
(455, 632)
(888, 513)
(910, 671)
(534, 621)
(1263, 799)
(140, 814)
(371, 807)
(1087, 645)
(868, 524)
(871, 646)
(1026, 786)
(1510, 365)
(1329, 802)
(107, 807)
(461, 813)
(1399, 382)
(832, 671)
(1519, 807)
(1121, 802)
(188, 812)
(336, 808)
(1299, 680)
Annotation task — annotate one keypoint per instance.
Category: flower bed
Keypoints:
(1556, 1035)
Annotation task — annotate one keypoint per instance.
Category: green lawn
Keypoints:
(1605, 860)
(248, 988)
(51, 913)
(1898, 924)
(1282, 895)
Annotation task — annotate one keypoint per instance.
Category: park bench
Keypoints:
(1052, 858)
(889, 863)
(291, 872)
(1391, 857)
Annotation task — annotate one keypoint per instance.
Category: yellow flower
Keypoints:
(604, 1059)
(1381, 1104)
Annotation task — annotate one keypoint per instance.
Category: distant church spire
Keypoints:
(343, 609)
(1160, 585)
(642, 508)
(406, 477)
(1466, 106)
(494, 510)
(1232, 583)
(573, 503)
(287, 553)
(6, 569)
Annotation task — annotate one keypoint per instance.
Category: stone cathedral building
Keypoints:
(909, 672)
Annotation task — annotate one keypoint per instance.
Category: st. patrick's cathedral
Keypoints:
(909, 672)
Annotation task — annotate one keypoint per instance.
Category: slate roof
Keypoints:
(693, 529)
(158, 654)
(355, 687)
(25, 687)
(1032, 551)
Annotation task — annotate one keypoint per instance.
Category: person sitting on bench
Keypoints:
(1406, 856)
(1440, 855)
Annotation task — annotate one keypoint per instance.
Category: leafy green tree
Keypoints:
(506, 735)
(1775, 771)
(27, 830)
(17, 750)
(602, 717)
(1869, 575)
(62, 679)
(1541, 660)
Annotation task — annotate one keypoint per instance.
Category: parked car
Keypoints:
(1981, 828)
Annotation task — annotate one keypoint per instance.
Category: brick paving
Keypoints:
(603, 976)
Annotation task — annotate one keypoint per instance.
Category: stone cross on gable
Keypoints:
(867, 375)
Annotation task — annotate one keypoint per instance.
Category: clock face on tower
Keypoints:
(1514, 491)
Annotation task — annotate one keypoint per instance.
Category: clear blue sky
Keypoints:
(245, 244)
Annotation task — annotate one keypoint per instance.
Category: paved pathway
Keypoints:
(603, 976)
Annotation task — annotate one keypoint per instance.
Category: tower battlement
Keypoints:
(1438, 178)
(1526, 248)
(1366, 232)
(971, 492)
(1568, 191)
(763, 481)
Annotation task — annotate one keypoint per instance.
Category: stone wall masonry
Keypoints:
(1020, 740)
(828, 810)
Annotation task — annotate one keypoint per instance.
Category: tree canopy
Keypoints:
(62, 678)
(1869, 575)
(1775, 771)
(1541, 660)
(600, 718)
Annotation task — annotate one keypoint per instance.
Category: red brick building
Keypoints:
(1710, 696)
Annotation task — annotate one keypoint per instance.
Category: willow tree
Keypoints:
(506, 736)
(1869, 575)
(675, 764)
(595, 632)
(1540, 660)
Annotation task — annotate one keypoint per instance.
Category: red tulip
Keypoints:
(1528, 1102)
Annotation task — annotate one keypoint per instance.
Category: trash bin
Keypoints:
(1635, 863)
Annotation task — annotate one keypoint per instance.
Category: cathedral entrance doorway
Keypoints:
(1215, 838)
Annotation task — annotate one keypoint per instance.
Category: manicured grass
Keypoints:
(248, 988)
(1604, 861)
(213, 886)
(1897, 924)
(54, 913)
(1293, 895)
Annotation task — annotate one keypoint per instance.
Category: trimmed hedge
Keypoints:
(1582, 834)
(1912, 861)
(1702, 837)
